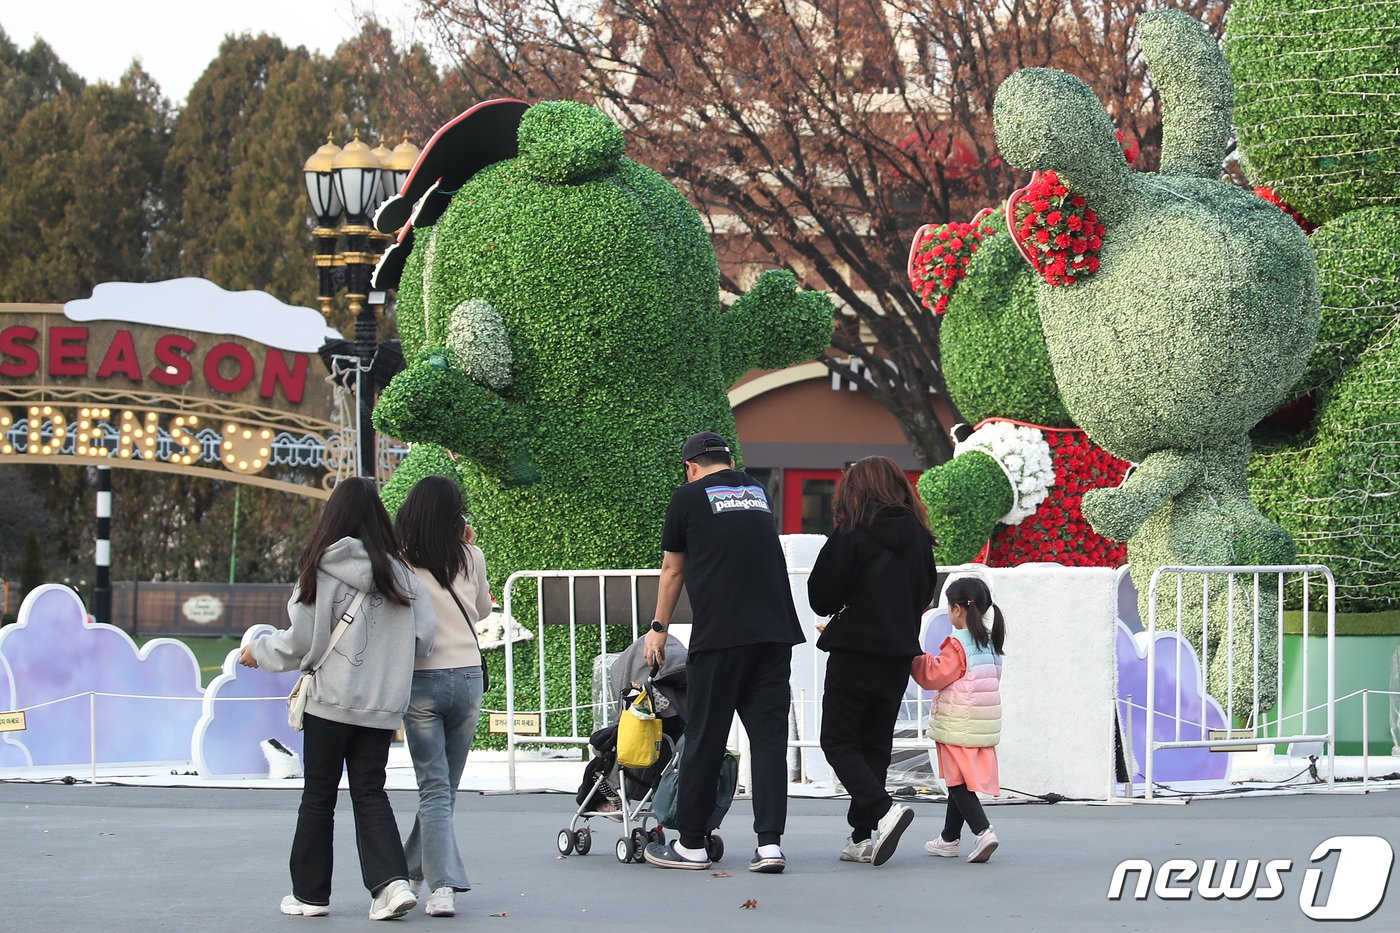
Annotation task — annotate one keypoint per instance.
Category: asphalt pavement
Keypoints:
(127, 859)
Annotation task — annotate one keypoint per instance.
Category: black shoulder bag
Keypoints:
(879, 564)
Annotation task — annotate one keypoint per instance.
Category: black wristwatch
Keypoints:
(658, 626)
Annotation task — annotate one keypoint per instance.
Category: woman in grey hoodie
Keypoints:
(357, 698)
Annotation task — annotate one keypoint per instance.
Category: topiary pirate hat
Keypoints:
(480, 136)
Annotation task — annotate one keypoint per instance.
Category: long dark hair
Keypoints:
(431, 525)
(869, 485)
(354, 511)
(972, 594)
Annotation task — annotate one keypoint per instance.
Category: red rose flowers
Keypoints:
(939, 257)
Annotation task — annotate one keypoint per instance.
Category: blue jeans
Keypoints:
(440, 723)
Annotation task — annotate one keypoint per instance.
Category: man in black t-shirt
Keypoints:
(720, 541)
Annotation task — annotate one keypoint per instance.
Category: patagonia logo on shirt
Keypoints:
(737, 499)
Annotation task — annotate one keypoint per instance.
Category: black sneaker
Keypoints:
(767, 865)
(666, 856)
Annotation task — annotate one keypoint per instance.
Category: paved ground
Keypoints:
(127, 859)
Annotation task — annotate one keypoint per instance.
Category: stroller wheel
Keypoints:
(565, 842)
(714, 848)
(623, 851)
(640, 838)
(657, 836)
(583, 841)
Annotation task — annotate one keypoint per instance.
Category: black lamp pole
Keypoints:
(353, 181)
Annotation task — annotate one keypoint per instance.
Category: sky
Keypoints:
(177, 39)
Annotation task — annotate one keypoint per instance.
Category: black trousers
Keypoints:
(332, 747)
(860, 704)
(963, 806)
(751, 680)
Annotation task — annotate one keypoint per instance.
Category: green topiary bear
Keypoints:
(564, 331)
(1196, 326)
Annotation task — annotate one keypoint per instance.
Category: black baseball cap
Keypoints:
(703, 443)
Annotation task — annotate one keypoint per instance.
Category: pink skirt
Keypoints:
(975, 767)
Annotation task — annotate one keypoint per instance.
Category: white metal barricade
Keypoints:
(1286, 727)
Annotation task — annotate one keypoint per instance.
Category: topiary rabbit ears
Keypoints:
(480, 136)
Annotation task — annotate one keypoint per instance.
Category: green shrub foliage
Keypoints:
(599, 282)
(1319, 88)
(1197, 325)
(990, 344)
(1338, 490)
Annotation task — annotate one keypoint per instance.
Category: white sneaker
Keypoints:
(393, 901)
(441, 903)
(295, 908)
(985, 845)
(887, 832)
(940, 848)
(858, 851)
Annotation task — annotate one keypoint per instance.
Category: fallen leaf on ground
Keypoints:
(720, 874)
(750, 904)
(501, 914)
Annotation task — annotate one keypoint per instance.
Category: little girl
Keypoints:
(966, 724)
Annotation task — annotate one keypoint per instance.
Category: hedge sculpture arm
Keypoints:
(965, 498)
(773, 325)
(433, 401)
(1119, 513)
(1198, 95)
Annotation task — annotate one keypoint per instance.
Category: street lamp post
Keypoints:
(344, 186)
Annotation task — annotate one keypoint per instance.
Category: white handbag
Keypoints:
(296, 700)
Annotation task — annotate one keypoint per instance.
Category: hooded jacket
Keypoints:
(882, 611)
(367, 678)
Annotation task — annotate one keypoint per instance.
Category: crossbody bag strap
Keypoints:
(346, 618)
(470, 624)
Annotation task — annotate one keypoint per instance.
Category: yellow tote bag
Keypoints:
(639, 733)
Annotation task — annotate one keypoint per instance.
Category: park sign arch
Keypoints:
(177, 376)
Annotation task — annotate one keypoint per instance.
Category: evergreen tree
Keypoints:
(31, 574)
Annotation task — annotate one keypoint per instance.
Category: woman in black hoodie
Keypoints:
(875, 576)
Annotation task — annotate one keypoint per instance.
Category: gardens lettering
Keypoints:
(227, 367)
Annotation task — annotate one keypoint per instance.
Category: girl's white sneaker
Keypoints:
(985, 845)
(942, 849)
(441, 903)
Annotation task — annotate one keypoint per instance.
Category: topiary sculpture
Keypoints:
(984, 504)
(564, 331)
(1197, 324)
(1327, 147)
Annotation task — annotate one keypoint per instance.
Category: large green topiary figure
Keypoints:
(1317, 121)
(1196, 326)
(982, 505)
(1317, 87)
(564, 335)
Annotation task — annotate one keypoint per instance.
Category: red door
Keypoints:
(807, 498)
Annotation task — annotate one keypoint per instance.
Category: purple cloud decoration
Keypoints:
(242, 707)
(147, 702)
(12, 753)
(1198, 711)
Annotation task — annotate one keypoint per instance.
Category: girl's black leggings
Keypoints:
(963, 806)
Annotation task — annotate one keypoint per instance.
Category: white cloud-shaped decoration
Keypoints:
(83, 682)
(200, 305)
(242, 707)
(12, 753)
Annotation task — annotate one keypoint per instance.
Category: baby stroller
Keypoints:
(627, 795)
